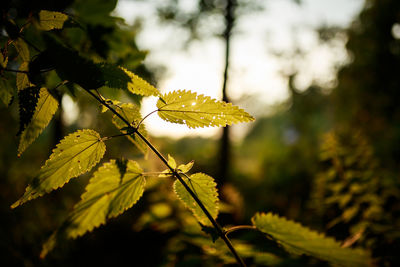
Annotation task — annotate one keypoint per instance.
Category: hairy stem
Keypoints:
(217, 227)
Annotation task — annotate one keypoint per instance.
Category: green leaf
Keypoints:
(186, 167)
(132, 114)
(205, 189)
(22, 49)
(115, 187)
(185, 107)
(121, 78)
(27, 101)
(6, 91)
(22, 79)
(49, 20)
(46, 107)
(76, 154)
(298, 239)
(171, 161)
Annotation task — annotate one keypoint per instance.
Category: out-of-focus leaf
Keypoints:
(298, 239)
(49, 20)
(6, 91)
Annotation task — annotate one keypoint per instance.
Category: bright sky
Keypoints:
(254, 69)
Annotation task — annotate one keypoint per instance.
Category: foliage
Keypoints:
(355, 194)
(300, 240)
(67, 49)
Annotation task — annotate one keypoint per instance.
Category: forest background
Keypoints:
(327, 156)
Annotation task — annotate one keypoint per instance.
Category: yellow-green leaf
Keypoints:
(46, 107)
(121, 78)
(49, 20)
(171, 161)
(205, 189)
(185, 107)
(76, 154)
(115, 187)
(298, 239)
(132, 114)
(22, 79)
(185, 167)
(22, 49)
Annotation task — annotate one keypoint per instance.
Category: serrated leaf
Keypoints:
(298, 239)
(27, 101)
(205, 189)
(185, 107)
(49, 20)
(185, 167)
(6, 91)
(121, 78)
(76, 154)
(120, 188)
(22, 49)
(22, 79)
(132, 114)
(112, 190)
(46, 107)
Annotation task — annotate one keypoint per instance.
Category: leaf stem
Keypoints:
(239, 227)
(145, 117)
(217, 227)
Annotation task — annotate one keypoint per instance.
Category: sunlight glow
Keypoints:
(282, 27)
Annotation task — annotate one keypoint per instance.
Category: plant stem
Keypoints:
(240, 227)
(218, 228)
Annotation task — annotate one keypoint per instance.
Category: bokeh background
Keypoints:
(321, 78)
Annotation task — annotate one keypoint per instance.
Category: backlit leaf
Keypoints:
(121, 78)
(22, 78)
(49, 20)
(22, 49)
(171, 161)
(205, 189)
(185, 167)
(76, 154)
(185, 107)
(132, 114)
(27, 101)
(298, 239)
(46, 107)
(115, 187)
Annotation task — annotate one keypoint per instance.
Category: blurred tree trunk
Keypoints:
(225, 148)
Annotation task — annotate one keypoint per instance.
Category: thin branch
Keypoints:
(217, 227)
